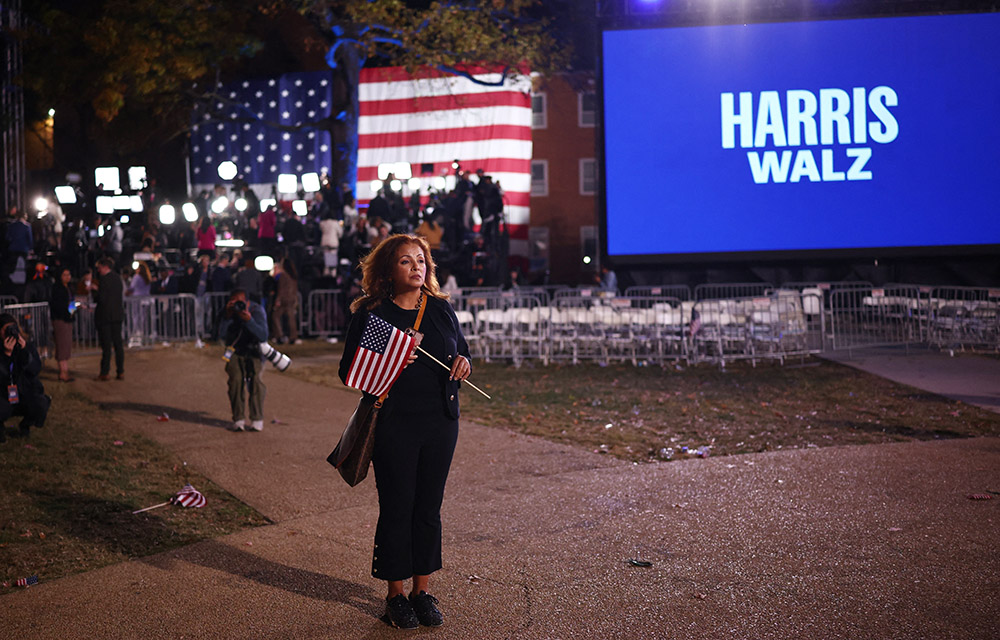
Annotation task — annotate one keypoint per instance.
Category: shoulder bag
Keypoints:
(353, 454)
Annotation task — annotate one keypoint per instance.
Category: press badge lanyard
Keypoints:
(12, 387)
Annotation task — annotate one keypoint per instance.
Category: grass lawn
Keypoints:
(651, 414)
(69, 490)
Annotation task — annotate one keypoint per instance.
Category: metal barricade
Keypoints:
(34, 320)
(879, 316)
(964, 318)
(775, 326)
(161, 318)
(504, 325)
(732, 290)
(6, 301)
(327, 314)
(84, 329)
(678, 291)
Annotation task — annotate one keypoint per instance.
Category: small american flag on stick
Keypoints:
(380, 358)
(27, 582)
(186, 497)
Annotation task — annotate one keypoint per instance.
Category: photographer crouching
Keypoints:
(19, 369)
(243, 328)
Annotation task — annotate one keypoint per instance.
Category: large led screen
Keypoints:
(803, 136)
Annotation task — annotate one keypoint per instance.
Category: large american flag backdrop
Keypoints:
(435, 118)
(261, 152)
(426, 118)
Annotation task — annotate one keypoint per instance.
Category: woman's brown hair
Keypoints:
(376, 272)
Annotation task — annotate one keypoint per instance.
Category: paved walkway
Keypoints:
(844, 542)
(973, 379)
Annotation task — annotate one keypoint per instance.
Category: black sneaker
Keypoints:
(399, 613)
(423, 605)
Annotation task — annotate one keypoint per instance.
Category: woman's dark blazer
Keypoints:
(442, 315)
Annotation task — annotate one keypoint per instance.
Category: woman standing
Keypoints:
(142, 282)
(417, 425)
(62, 320)
(206, 238)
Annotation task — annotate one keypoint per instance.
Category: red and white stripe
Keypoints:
(431, 117)
(189, 497)
(374, 373)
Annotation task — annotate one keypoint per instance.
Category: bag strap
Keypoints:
(416, 326)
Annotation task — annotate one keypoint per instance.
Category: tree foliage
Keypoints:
(515, 35)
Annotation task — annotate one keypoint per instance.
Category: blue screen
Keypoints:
(803, 136)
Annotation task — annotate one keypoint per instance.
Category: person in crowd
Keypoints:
(286, 301)
(167, 284)
(350, 206)
(221, 276)
(243, 328)
(431, 231)
(417, 425)
(206, 237)
(108, 317)
(61, 308)
(249, 280)
(114, 239)
(85, 285)
(267, 223)
(331, 230)
(19, 369)
(608, 278)
(142, 282)
(39, 289)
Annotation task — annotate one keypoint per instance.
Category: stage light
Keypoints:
(586, 259)
(227, 170)
(125, 218)
(263, 263)
(300, 207)
(287, 183)
(438, 182)
(122, 203)
(137, 206)
(395, 185)
(413, 184)
(65, 195)
(267, 202)
(402, 170)
(100, 231)
(240, 204)
(167, 214)
(449, 182)
(375, 186)
(310, 182)
(220, 204)
(385, 169)
(108, 177)
(229, 243)
(190, 211)
(136, 178)
(105, 204)
(42, 204)
(456, 164)
(135, 265)
(52, 113)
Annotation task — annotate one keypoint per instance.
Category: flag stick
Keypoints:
(162, 504)
(449, 369)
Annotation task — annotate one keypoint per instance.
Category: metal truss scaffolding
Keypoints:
(11, 106)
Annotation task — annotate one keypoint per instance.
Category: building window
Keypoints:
(588, 108)
(539, 177)
(588, 176)
(539, 120)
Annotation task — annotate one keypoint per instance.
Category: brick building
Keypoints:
(564, 179)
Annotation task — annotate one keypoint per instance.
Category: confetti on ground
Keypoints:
(979, 496)
(163, 417)
(118, 443)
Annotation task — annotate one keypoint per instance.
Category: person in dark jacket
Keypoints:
(19, 369)
(62, 320)
(108, 316)
(417, 424)
(243, 328)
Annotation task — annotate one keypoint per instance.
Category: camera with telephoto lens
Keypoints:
(280, 361)
(239, 306)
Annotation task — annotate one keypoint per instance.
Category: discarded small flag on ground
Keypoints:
(189, 497)
(380, 358)
(27, 582)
